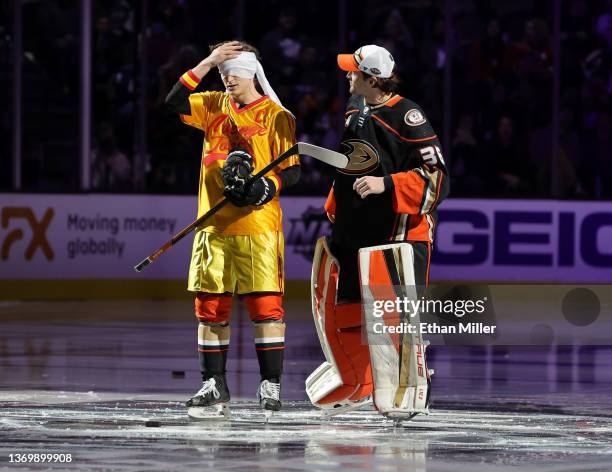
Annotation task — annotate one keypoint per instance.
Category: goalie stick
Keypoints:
(332, 158)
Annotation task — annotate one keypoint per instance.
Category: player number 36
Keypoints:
(432, 156)
(22, 457)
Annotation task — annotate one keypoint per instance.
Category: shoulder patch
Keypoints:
(414, 117)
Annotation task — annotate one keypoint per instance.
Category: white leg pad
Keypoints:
(398, 361)
(324, 380)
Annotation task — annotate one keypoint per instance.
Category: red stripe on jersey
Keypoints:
(395, 132)
(274, 301)
(277, 179)
(212, 158)
(194, 77)
(186, 84)
(249, 106)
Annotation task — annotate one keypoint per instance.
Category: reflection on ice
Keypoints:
(109, 430)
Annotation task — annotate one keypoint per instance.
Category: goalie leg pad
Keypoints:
(346, 375)
(401, 378)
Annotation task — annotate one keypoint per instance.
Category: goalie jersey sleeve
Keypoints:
(394, 141)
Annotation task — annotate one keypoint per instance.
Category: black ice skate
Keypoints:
(268, 395)
(211, 401)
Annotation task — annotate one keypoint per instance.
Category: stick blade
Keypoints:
(142, 264)
(332, 158)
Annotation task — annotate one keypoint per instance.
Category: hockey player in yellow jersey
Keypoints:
(240, 250)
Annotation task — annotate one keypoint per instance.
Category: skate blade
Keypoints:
(268, 414)
(218, 412)
(399, 418)
(331, 412)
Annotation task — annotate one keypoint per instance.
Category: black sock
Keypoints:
(270, 346)
(270, 364)
(212, 363)
(213, 343)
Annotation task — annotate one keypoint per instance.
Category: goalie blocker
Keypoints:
(361, 362)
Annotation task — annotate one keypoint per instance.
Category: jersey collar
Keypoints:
(247, 107)
(392, 100)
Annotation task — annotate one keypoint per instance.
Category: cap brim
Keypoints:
(347, 62)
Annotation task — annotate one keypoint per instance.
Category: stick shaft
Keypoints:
(194, 224)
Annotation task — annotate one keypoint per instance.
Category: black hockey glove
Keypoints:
(261, 191)
(237, 170)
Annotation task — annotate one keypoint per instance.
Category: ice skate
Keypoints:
(211, 401)
(399, 417)
(268, 395)
(345, 407)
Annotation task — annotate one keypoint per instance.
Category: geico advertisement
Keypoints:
(524, 240)
(489, 240)
(104, 236)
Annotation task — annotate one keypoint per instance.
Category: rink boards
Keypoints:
(46, 238)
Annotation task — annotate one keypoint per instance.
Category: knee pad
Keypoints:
(346, 374)
(212, 307)
(269, 335)
(213, 338)
(265, 306)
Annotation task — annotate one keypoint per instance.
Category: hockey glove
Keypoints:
(261, 191)
(237, 170)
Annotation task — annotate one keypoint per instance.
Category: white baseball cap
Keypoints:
(371, 59)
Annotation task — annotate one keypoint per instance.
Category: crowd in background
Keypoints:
(502, 87)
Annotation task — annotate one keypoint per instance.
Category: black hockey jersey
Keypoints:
(393, 140)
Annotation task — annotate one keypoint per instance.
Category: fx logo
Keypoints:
(39, 229)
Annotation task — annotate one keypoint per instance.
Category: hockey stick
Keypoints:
(333, 158)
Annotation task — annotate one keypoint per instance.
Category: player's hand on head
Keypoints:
(224, 53)
(369, 185)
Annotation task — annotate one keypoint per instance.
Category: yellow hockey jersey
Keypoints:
(266, 130)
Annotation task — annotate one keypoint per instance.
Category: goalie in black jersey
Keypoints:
(383, 209)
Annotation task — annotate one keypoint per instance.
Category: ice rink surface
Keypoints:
(105, 382)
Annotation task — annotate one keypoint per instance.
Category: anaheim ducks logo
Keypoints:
(362, 157)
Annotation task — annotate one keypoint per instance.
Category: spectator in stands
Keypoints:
(488, 54)
(284, 44)
(507, 162)
(111, 169)
(468, 168)
(398, 40)
(532, 58)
